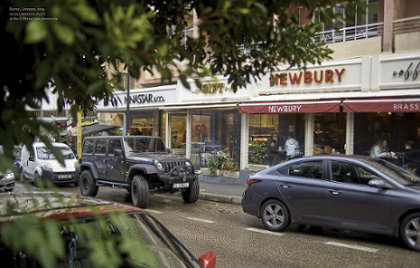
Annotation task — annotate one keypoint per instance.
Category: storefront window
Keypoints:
(329, 133)
(289, 135)
(178, 130)
(215, 134)
(141, 123)
(395, 128)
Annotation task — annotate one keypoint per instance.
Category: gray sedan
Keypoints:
(345, 192)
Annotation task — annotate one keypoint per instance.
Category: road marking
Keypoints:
(371, 250)
(263, 231)
(200, 220)
(153, 211)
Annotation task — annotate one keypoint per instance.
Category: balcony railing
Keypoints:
(406, 25)
(352, 33)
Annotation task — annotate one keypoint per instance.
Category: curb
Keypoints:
(236, 200)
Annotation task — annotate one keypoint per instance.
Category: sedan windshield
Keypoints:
(44, 153)
(394, 172)
(143, 144)
(154, 245)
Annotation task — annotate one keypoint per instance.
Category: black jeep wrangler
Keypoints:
(141, 164)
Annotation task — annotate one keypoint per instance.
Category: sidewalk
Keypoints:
(221, 190)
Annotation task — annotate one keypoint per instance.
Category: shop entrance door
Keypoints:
(177, 130)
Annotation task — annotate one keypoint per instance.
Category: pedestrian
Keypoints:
(273, 145)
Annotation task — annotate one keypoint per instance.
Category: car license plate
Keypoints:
(181, 185)
(67, 176)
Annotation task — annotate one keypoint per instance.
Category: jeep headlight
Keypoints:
(189, 166)
(160, 166)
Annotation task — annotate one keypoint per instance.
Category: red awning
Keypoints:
(327, 106)
(382, 105)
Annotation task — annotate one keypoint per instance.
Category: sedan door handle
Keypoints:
(335, 192)
(285, 185)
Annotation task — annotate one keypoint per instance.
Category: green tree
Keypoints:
(75, 42)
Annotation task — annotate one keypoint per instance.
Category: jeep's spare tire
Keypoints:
(87, 184)
(140, 191)
(190, 195)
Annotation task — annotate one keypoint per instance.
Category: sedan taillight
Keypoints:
(251, 181)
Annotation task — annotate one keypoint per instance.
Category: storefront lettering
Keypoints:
(405, 107)
(284, 108)
(145, 98)
(306, 77)
(213, 88)
(407, 73)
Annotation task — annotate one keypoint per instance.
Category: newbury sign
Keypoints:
(307, 77)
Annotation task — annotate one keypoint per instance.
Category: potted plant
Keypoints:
(258, 152)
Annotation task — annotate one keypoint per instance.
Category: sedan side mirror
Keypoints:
(377, 183)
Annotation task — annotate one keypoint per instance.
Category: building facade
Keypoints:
(369, 91)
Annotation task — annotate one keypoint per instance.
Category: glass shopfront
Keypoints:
(396, 129)
(141, 123)
(178, 130)
(215, 134)
(329, 133)
(275, 137)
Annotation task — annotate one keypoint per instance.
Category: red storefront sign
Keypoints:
(382, 105)
(332, 106)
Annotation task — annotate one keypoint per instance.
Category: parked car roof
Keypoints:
(57, 206)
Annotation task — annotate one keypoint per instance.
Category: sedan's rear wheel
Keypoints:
(410, 231)
(274, 215)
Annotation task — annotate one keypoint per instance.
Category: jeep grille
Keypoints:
(169, 165)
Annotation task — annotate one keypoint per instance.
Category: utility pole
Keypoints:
(79, 133)
(127, 112)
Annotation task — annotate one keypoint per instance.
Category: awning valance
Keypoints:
(382, 105)
(325, 106)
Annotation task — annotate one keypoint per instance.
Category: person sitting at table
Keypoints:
(291, 146)
(380, 150)
(273, 145)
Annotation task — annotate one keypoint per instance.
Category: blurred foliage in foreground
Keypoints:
(71, 49)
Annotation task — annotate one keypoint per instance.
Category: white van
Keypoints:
(43, 163)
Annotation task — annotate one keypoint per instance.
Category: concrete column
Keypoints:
(309, 134)
(156, 123)
(349, 134)
(168, 132)
(244, 149)
(188, 135)
(388, 19)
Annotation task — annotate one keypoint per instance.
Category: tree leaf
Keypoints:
(64, 33)
(36, 31)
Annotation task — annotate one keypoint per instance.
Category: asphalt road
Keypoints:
(239, 240)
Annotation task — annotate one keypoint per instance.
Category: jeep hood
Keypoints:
(153, 156)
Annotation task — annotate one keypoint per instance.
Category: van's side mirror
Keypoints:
(117, 152)
(168, 150)
(31, 158)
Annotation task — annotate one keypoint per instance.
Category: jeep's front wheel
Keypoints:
(140, 191)
(191, 194)
(87, 184)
